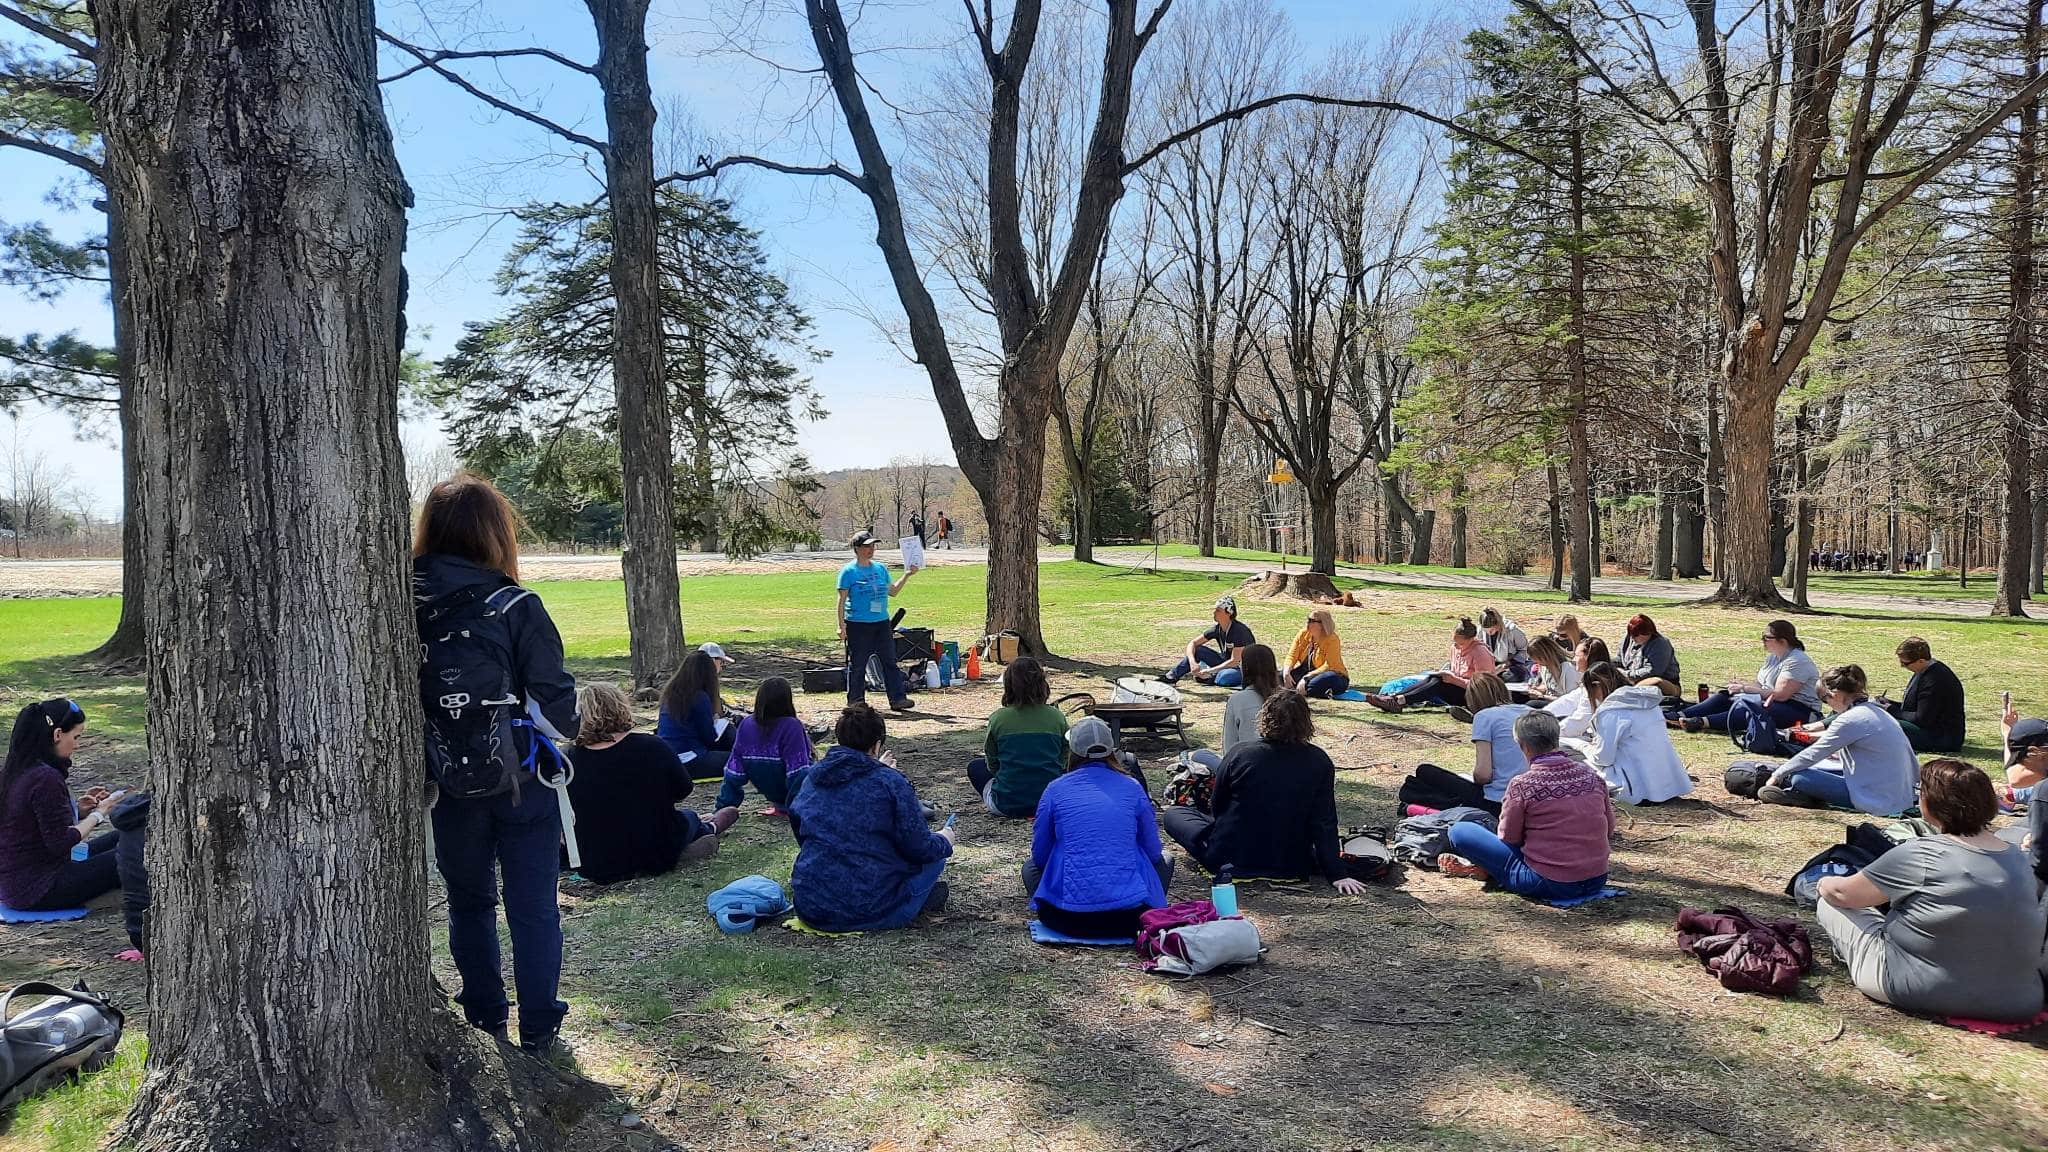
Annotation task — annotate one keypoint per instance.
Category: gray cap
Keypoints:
(1091, 737)
(2024, 735)
(862, 539)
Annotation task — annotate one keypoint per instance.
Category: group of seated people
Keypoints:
(1315, 662)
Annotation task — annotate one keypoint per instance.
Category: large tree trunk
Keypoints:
(126, 644)
(1554, 506)
(1744, 565)
(1717, 476)
(1424, 532)
(1802, 516)
(1322, 526)
(2016, 553)
(1084, 518)
(1580, 522)
(1011, 499)
(2037, 568)
(1667, 532)
(292, 1004)
(654, 620)
(1459, 555)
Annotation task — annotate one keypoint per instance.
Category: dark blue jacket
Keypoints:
(691, 735)
(535, 646)
(1098, 842)
(861, 838)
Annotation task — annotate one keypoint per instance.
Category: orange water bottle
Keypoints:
(974, 663)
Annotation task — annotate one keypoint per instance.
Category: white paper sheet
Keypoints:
(913, 552)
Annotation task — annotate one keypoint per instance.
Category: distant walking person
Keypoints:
(864, 591)
(945, 531)
(917, 526)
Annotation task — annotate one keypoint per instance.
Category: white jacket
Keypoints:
(1632, 747)
(1574, 714)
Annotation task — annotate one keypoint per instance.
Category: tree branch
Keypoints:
(426, 61)
(482, 54)
(1242, 111)
(712, 168)
(77, 46)
(78, 160)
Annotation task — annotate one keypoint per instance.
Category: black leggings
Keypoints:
(1437, 689)
(81, 880)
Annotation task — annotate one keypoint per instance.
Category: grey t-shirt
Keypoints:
(1963, 936)
(1798, 665)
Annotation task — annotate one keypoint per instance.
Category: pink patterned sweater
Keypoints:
(1558, 814)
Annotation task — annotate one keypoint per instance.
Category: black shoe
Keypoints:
(1461, 714)
(936, 902)
(540, 1048)
(1789, 797)
(903, 705)
(1693, 724)
(498, 1032)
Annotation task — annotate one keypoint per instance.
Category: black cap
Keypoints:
(863, 539)
(2025, 734)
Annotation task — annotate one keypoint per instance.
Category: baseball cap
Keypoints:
(715, 651)
(2025, 734)
(862, 539)
(1091, 737)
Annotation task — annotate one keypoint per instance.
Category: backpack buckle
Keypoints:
(455, 700)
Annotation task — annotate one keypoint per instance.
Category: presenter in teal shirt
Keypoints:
(864, 591)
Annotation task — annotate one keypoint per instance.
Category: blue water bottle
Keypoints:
(1224, 894)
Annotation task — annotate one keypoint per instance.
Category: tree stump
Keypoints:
(1294, 585)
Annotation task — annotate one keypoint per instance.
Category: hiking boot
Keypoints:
(1694, 724)
(540, 1047)
(936, 902)
(1789, 797)
(723, 819)
(498, 1032)
(1460, 713)
(903, 705)
(1386, 703)
(1451, 864)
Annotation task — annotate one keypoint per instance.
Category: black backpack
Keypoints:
(72, 1032)
(473, 711)
(1744, 777)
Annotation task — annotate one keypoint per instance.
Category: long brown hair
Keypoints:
(466, 516)
(1261, 670)
(699, 673)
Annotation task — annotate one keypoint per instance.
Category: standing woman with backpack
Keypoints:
(496, 698)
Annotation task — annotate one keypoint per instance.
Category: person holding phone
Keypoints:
(40, 823)
(864, 591)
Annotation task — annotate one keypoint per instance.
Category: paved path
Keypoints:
(35, 578)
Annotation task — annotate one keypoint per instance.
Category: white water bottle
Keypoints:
(931, 674)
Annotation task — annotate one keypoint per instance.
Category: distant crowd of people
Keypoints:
(1861, 560)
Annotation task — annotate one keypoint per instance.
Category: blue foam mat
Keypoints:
(1607, 893)
(1044, 935)
(1350, 694)
(17, 916)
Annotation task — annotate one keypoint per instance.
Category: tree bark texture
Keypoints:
(1459, 556)
(1554, 506)
(654, 622)
(2016, 553)
(292, 1005)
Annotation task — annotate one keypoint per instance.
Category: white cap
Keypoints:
(715, 652)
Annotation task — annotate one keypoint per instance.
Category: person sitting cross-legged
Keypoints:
(1096, 862)
(1025, 747)
(1647, 656)
(1931, 708)
(771, 750)
(1446, 685)
(1273, 813)
(624, 792)
(1218, 665)
(1315, 664)
(865, 859)
(1496, 758)
(1785, 692)
(1862, 761)
(1554, 825)
(1962, 934)
(1628, 743)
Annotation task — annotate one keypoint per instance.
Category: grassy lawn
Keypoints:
(1426, 1014)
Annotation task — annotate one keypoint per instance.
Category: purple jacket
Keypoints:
(788, 741)
(36, 833)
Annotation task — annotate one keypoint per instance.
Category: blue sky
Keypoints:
(467, 162)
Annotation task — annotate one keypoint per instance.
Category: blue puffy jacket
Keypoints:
(1098, 843)
(861, 838)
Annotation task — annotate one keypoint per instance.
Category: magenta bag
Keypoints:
(1153, 923)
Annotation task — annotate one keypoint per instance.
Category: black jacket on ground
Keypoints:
(1276, 812)
(1933, 701)
(534, 647)
(625, 798)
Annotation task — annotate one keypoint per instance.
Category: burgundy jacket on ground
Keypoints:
(36, 834)
(1749, 955)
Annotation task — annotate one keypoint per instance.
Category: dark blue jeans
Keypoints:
(473, 841)
(1207, 657)
(1824, 784)
(1723, 711)
(913, 901)
(1504, 865)
(865, 639)
(775, 783)
(1323, 685)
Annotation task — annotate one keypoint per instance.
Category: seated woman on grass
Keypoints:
(1629, 744)
(1274, 811)
(40, 823)
(688, 719)
(1219, 664)
(1025, 747)
(1573, 710)
(1552, 671)
(1647, 656)
(1786, 690)
(1496, 758)
(1862, 761)
(1508, 643)
(1096, 863)
(1241, 711)
(1554, 825)
(1446, 685)
(625, 791)
(1963, 934)
(1315, 665)
(1568, 633)
(772, 749)
(865, 859)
